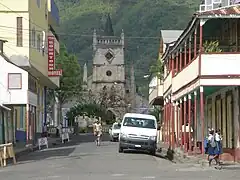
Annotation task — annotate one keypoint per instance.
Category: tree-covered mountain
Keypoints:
(141, 20)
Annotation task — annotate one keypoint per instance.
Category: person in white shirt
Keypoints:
(218, 149)
(211, 144)
(97, 130)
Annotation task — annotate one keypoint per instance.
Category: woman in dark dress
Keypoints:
(218, 148)
(211, 144)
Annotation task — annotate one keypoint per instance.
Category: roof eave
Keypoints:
(183, 35)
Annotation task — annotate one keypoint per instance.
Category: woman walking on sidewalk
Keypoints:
(211, 145)
(218, 148)
(214, 147)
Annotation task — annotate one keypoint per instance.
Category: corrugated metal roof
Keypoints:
(170, 36)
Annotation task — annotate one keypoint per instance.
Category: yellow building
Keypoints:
(26, 25)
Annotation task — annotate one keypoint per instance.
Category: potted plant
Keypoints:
(211, 46)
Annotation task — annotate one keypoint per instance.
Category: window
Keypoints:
(32, 84)
(116, 126)
(19, 32)
(109, 73)
(139, 122)
(39, 43)
(14, 81)
(46, 11)
(33, 37)
(38, 3)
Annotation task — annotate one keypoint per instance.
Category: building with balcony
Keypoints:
(155, 92)
(201, 71)
(28, 28)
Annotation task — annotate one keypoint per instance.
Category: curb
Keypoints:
(26, 151)
(29, 150)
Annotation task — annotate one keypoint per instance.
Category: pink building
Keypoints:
(201, 85)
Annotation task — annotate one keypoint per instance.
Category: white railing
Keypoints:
(220, 64)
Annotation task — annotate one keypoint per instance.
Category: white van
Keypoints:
(138, 132)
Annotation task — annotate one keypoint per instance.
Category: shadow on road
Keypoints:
(58, 149)
(158, 154)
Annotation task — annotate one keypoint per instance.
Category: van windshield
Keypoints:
(139, 122)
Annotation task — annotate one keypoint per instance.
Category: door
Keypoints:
(2, 129)
(218, 113)
(230, 132)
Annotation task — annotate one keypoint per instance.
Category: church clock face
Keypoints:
(109, 56)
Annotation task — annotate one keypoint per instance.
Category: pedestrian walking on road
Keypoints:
(97, 130)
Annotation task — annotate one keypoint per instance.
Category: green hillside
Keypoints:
(141, 20)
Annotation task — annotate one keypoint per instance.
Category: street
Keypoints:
(81, 159)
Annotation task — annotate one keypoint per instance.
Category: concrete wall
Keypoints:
(13, 96)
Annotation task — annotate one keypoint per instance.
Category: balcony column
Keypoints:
(189, 49)
(173, 63)
(185, 53)
(167, 118)
(184, 123)
(202, 22)
(177, 123)
(169, 121)
(164, 122)
(173, 124)
(195, 43)
(180, 59)
(177, 70)
(195, 122)
(180, 125)
(202, 116)
(189, 124)
(170, 64)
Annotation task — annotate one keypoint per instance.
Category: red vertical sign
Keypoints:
(51, 55)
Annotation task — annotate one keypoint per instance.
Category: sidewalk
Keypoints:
(179, 156)
(21, 149)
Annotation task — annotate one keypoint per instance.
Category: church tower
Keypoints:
(108, 62)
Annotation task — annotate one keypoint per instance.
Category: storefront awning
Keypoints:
(4, 107)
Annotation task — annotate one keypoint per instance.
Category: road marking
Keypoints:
(149, 177)
(117, 175)
(47, 177)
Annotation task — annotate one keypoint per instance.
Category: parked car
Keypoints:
(138, 132)
(114, 131)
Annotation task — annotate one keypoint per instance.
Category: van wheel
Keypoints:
(120, 149)
(153, 152)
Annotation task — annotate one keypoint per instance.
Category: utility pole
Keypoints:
(133, 88)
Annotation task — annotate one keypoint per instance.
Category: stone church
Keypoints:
(108, 83)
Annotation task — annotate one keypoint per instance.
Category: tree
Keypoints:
(111, 98)
(157, 69)
(87, 109)
(70, 81)
(156, 111)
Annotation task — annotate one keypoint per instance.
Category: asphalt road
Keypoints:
(81, 159)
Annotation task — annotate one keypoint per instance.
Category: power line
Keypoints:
(66, 61)
(87, 35)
